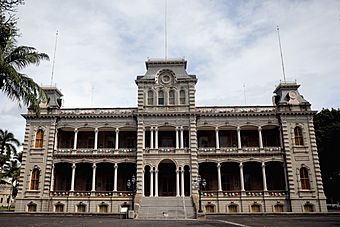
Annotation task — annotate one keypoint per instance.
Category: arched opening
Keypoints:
(253, 176)
(298, 136)
(304, 178)
(65, 138)
(32, 207)
(103, 208)
(150, 97)
(167, 178)
(161, 98)
(232, 208)
(308, 207)
(35, 179)
(208, 171)
(59, 207)
(210, 208)
(230, 175)
(172, 97)
(275, 176)
(104, 177)
(255, 208)
(250, 136)
(182, 100)
(278, 208)
(147, 180)
(125, 172)
(62, 176)
(83, 178)
(186, 180)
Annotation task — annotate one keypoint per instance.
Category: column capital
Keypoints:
(238, 128)
(73, 165)
(94, 165)
(218, 165)
(96, 129)
(177, 128)
(263, 164)
(76, 130)
(181, 128)
(116, 166)
(259, 128)
(117, 129)
(216, 129)
(156, 128)
(241, 165)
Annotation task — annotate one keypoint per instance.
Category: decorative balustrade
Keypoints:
(237, 150)
(98, 111)
(238, 194)
(90, 193)
(236, 109)
(95, 151)
(166, 150)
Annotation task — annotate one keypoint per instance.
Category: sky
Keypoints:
(230, 45)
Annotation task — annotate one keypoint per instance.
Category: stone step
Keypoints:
(166, 208)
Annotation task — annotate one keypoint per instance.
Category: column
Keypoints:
(151, 138)
(217, 138)
(156, 182)
(96, 138)
(177, 138)
(117, 139)
(260, 137)
(264, 176)
(75, 139)
(241, 177)
(182, 182)
(219, 177)
(156, 137)
(94, 167)
(115, 178)
(177, 183)
(52, 179)
(73, 176)
(182, 141)
(151, 182)
(239, 145)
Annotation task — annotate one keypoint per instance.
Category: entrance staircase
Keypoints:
(166, 208)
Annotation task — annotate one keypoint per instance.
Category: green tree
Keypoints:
(16, 85)
(8, 146)
(327, 130)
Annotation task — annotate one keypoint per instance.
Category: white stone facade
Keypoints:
(252, 158)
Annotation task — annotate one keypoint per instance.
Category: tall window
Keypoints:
(182, 97)
(172, 97)
(35, 179)
(298, 135)
(304, 178)
(161, 98)
(150, 97)
(39, 139)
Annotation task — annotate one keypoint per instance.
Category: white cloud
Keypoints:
(103, 45)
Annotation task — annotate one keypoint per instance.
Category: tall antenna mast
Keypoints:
(55, 50)
(166, 29)
(283, 66)
(244, 93)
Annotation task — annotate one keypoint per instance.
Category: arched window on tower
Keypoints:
(172, 97)
(161, 98)
(150, 97)
(298, 136)
(182, 97)
(39, 139)
(35, 179)
(304, 178)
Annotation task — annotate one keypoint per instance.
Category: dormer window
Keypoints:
(171, 97)
(161, 98)
(150, 97)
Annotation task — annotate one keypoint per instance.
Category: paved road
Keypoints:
(217, 221)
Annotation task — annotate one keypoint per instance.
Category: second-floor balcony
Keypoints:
(240, 150)
(90, 151)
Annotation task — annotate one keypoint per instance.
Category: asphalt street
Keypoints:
(213, 221)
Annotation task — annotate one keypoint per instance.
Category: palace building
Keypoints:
(169, 153)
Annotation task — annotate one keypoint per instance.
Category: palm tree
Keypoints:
(16, 85)
(11, 171)
(8, 146)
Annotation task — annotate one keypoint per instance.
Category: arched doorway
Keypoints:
(167, 178)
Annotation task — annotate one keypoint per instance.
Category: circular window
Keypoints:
(166, 78)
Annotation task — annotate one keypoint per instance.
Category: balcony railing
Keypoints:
(235, 109)
(161, 150)
(86, 151)
(237, 150)
(90, 193)
(239, 194)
